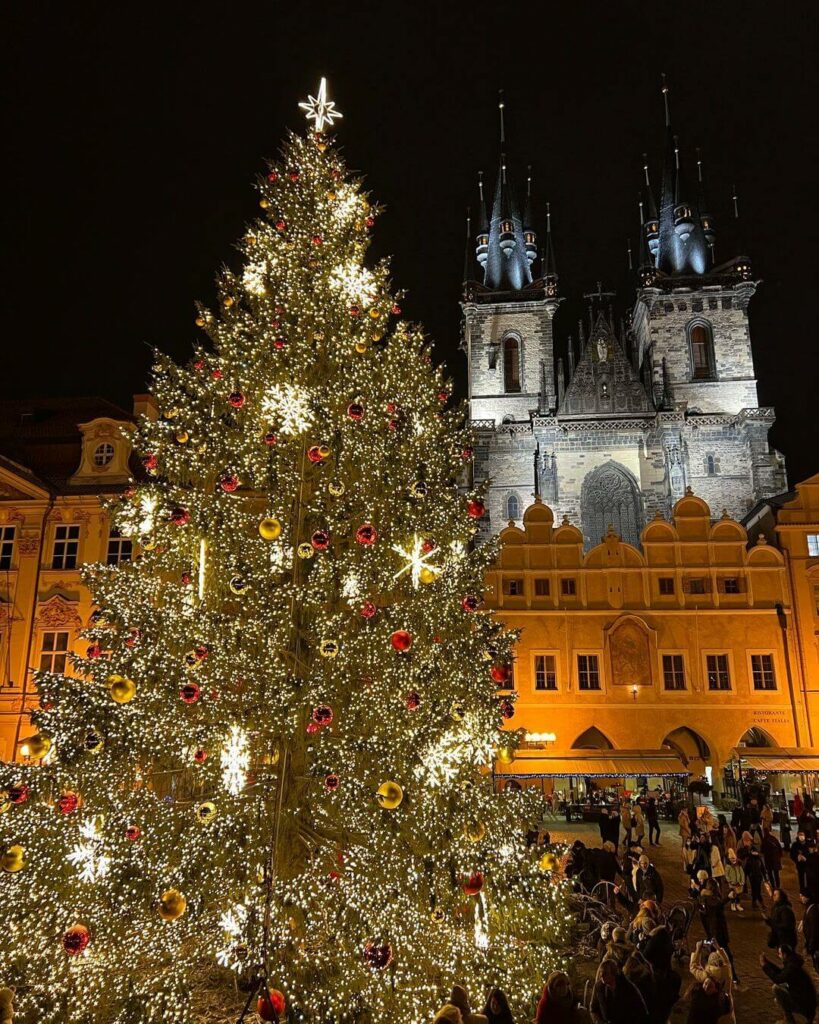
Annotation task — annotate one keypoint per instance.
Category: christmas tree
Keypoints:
(274, 753)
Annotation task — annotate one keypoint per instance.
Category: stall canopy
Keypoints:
(591, 763)
(778, 759)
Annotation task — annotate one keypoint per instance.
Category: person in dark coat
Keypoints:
(497, 1009)
(653, 819)
(810, 933)
(658, 950)
(771, 851)
(558, 1003)
(709, 1004)
(714, 923)
(792, 987)
(812, 874)
(603, 823)
(782, 922)
(615, 1000)
(647, 881)
(799, 854)
(755, 874)
(613, 829)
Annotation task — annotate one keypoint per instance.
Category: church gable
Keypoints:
(605, 381)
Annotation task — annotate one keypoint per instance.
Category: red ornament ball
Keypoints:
(132, 833)
(313, 727)
(331, 782)
(401, 640)
(476, 508)
(413, 700)
(393, 424)
(280, 343)
(507, 709)
(369, 610)
(293, 175)
(275, 323)
(427, 545)
(355, 311)
(499, 673)
(278, 310)
(270, 439)
(200, 652)
(369, 221)
(322, 714)
(180, 516)
(270, 1006)
(314, 453)
(391, 407)
(237, 399)
(273, 176)
(76, 939)
(149, 462)
(470, 603)
(186, 579)
(355, 410)
(199, 364)
(133, 639)
(94, 651)
(19, 793)
(467, 453)
(366, 534)
(281, 225)
(320, 540)
(216, 374)
(190, 693)
(68, 802)
(473, 885)
(443, 396)
(200, 756)
(229, 483)
(316, 239)
(396, 309)
(377, 956)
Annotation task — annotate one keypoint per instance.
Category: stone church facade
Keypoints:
(642, 411)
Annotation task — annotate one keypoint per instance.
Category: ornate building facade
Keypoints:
(686, 648)
(638, 413)
(58, 461)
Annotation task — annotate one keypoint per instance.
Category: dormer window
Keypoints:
(506, 226)
(103, 454)
(530, 238)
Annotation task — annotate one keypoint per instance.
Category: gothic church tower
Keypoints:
(637, 416)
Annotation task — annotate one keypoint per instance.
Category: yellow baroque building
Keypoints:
(59, 460)
(631, 662)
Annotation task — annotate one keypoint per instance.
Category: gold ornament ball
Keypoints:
(548, 862)
(305, 550)
(437, 916)
(264, 203)
(206, 812)
(172, 905)
(336, 488)
(426, 575)
(390, 795)
(94, 741)
(238, 585)
(324, 451)
(270, 529)
(121, 689)
(171, 414)
(475, 831)
(200, 321)
(38, 747)
(361, 347)
(377, 335)
(331, 196)
(182, 436)
(227, 302)
(506, 755)
(329, 648)
(5, 803)
(457, 711)
(375, 313)
(13, 859)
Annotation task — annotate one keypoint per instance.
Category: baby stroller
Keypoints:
(678, 920)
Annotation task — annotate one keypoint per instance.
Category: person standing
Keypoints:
(735, 880)
(684, 821)
(653, 819)
(714, 922)
(638, 824)
(809, 926)
(625, 821)
(755, 873)
(615, 1000)
(782, 922)
(497, 1009)
(799, 855)
(558, 1003)
(792, 987)
(646, 881)
(771, 850)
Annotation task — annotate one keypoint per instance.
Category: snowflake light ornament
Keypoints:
(289, 407)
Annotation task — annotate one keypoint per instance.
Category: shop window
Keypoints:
(762, 669)
(545, 672)
(7, 535)
(542, 587)
(66, 547)
(674, 672)
(588, 672)
(54, 651)
(719, 674)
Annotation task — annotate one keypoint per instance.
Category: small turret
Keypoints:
(683, 212)
(549, 271)
(482, 246)
(706, 220)
(529, 236)
(651, 223)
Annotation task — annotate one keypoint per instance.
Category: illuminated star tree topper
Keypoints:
(320, 110)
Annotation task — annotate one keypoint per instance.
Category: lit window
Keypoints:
(588, 672)
(120, 548)
(7, 534)
(54, 651)
(719, 676)
(542, 587)
(762, 668)
(674, 672)
(103, 454)
(666, 585)
(568, 587)
(813, 545)
(66, 547)
(545, 672)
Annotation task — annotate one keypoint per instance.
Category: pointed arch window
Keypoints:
(511, 365)
(701, 345)
(513, 507)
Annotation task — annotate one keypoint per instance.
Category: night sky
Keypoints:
(133, 133)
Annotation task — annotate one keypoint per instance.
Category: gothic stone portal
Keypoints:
(610, 497)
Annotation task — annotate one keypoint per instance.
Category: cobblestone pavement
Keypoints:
(749, 934)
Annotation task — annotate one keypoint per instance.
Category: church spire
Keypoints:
(482, 241)
(528, 221)
(467, 260)
(706, 220)
(549, 270)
